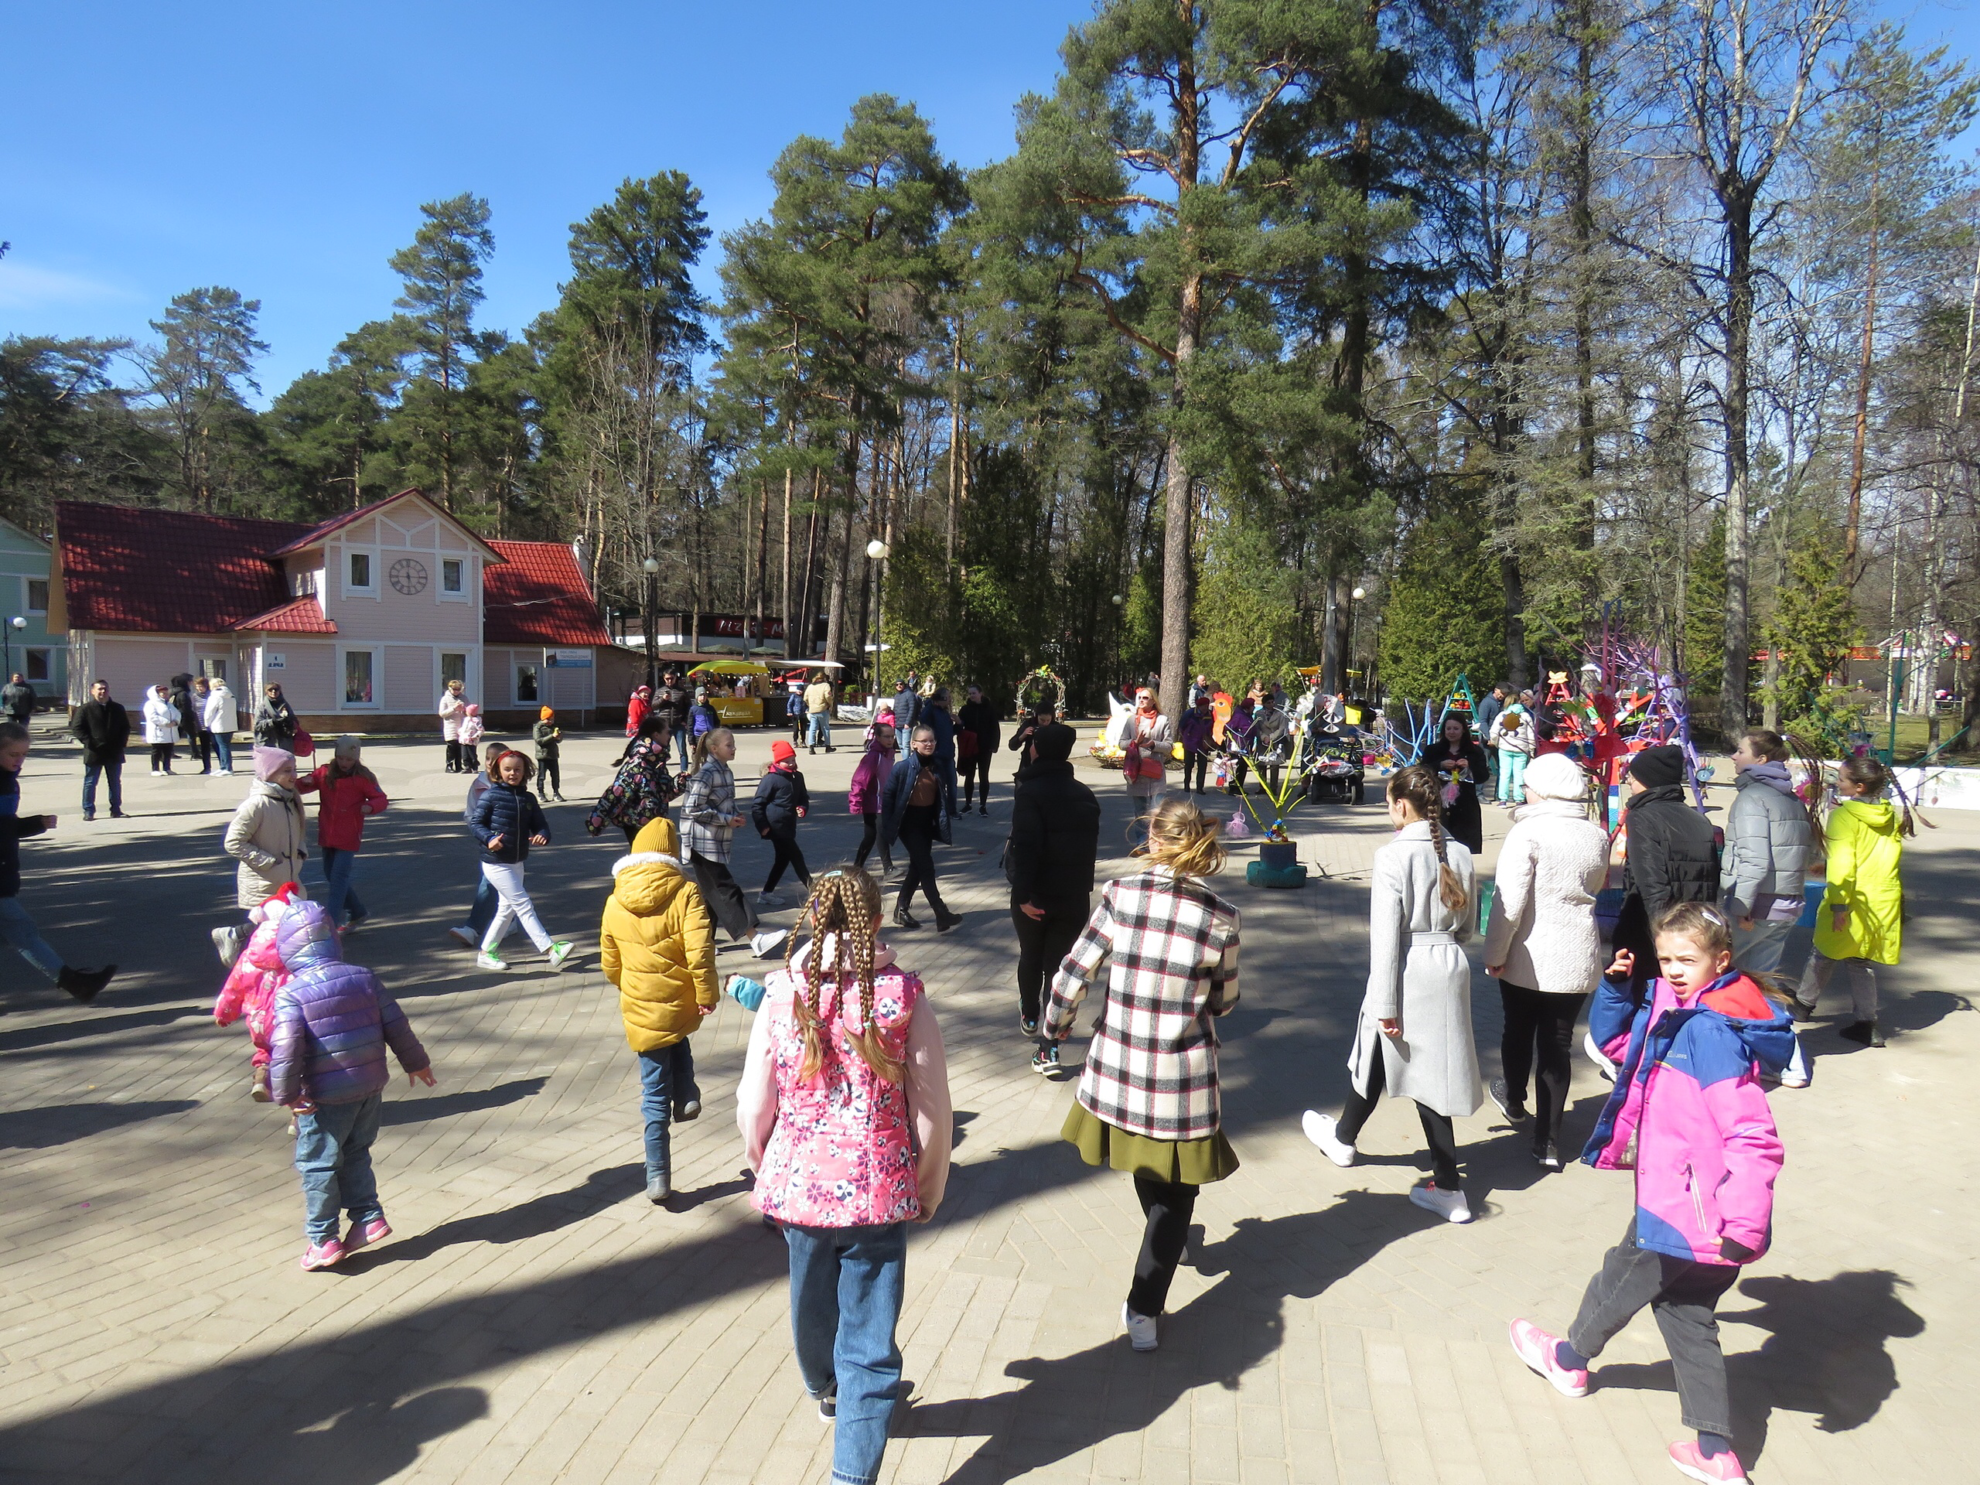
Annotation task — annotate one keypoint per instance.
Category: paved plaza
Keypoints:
(535, 1319)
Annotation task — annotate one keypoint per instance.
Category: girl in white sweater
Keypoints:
(1541, 943)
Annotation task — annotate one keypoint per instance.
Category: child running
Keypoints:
(781, 801)
(1689, 1115)
(333, 1022)
(507, 822)
(869, 788)
(1148, 1101)
(1860, 923)
(1414, 1036)
(845, 1118)
(251, 985)
(708, 827)
(657, 945)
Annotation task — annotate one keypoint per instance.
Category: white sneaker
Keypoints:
(1450, 1205)
(1140, 1330)
(464, 936)
(489, 959)
(227, 943)
(1594, 1050)
(770, 900)
(767, 941)
(559, 952)
(1320, 1129)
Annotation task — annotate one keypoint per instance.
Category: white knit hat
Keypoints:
(1556, 776)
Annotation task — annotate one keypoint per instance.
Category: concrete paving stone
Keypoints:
(539, 1321)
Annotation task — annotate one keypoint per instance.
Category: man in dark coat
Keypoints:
(1672, 854)
(978, 718)
(672, 702)
(103, 728)
(1055, 841)
(907, 707)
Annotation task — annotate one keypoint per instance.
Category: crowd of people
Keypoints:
(843, 1102)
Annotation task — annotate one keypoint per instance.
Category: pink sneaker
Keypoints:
(1536, 1348)
(322, 1255)
(374, 1231)
(1720, 1469)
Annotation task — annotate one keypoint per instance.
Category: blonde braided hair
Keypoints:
(1417, 787)
(843, 906)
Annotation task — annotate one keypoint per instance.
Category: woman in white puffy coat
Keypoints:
(161, 729)
(1541, 942)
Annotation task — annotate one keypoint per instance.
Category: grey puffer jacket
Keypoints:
(1767, 841)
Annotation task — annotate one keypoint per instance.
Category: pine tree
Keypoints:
(197, 378)
(442, 272)
(1444, 616)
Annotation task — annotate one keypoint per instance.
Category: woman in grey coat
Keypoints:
(1769, 836)
(1413, 1039)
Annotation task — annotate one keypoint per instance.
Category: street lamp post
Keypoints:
(17, 622)
(651, 567)
(876, 551)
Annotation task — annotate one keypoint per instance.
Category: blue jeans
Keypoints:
(333, 1152)
(821, 729)
(666, 1079)
(686, 745)
(486, 900)
(338, 864)
(17, 930)
(113, 774)
(223, 742)
(846, 1285)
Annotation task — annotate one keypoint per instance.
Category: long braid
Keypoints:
(842, 907)
(1418, 787)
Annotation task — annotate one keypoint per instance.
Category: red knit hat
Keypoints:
(781, 751)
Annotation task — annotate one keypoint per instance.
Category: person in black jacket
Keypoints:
(977, 720)
(190, 726)
(1463, 768)
(1027, 728)
(17, 696)
(1672, 854)
(671, 702)
(781, 801)
(507, 821)
(103, 728)
(918, 808)
(17, 929)
(907, 708)
(1055, 841)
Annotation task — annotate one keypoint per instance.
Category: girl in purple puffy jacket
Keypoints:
(1689, 1116)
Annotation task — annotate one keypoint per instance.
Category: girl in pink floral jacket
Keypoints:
(252, 983)
(845, 1118)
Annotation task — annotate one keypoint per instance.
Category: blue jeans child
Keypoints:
(338, 864)
(666, 1082)
(333, 1153)
(846, 1285)
(18, 932)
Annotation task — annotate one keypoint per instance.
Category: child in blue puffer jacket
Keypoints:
(333, 1022)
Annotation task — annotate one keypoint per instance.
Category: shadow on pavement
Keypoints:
(1072, 1403)
(1826, 1354)
(24, 1037)
(444, 1105)
(537, 1217)
(43, 1129)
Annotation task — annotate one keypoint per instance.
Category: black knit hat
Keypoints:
(1663, 764)
(1054, 742)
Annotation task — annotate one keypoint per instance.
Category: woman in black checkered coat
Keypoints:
(1147, 1101)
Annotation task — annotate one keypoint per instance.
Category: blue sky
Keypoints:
(283, 149)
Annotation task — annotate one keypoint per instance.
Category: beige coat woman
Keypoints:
(268, 835)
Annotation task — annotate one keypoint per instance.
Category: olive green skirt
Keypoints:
(1191, 1162)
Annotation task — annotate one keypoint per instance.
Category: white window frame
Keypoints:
(377, 653)
(516, 665)
(465, 595)
(371, 556)
(27, 594)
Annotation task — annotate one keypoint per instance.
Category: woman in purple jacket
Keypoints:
(869, 782)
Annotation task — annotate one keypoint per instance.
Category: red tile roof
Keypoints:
(538, 597)
(302, 615)
(167, 571)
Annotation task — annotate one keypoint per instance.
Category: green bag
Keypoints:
(1487, 890)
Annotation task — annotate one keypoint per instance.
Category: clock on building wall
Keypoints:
(408, 575)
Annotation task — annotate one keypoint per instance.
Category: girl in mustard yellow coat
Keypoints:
(657, 944)
(1860, 923)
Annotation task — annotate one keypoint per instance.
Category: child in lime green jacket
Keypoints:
(1860, 923)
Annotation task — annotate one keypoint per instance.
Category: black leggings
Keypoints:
(161, 756)
(788, 854)
(548, 776)
(869, 836)
(457, 757)
(1168, 1206)
(725, 900)
(1546, 1023)
(1437, 1131)
(975, 768)
(918, 835)
(1195, 765)
(1043, 944)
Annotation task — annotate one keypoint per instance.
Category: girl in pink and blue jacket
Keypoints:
(1688, 1114)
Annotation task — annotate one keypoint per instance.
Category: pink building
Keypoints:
(362, 619)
